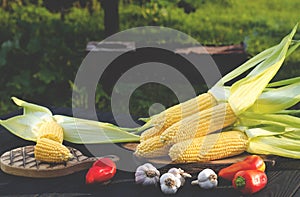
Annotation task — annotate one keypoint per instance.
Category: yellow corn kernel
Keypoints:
(51, 130)
(177, 112)
(210, 147)
(51, 151)
(152, 147)
(200, 124)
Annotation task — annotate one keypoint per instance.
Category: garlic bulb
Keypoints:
(207, 179)
(179, 173)
(169, 183)
(147, 174)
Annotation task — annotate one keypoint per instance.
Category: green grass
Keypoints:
(259, 23)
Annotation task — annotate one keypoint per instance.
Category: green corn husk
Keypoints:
(277, 99)
(250, 119)
(275, 145)
(295, 112)
(271, 139)
(260, 116)
(244, 93)
(284, 82)
(276, 134)
(275, 141)
(79, 131)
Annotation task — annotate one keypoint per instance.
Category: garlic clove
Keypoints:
(147, 174)
(180, 174)
(169, 183)
(204, 174)
(207, 179)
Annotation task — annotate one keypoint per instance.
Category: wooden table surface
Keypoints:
(283, 179)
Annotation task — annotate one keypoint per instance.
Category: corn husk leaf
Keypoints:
(276, 145)
(81, 131)
(293, 135)
(268, 130)
(221, 92)
(252, 62)
(289, 112)
(284, 82)
(76, 130)
(23, 126)
(250, 119)
(273, 139)
(29, 108)
(293, 45)
(246, 66)
(240, 97)
(278, 99)
(272, 100)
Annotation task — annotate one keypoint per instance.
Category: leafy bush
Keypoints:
(40, 53)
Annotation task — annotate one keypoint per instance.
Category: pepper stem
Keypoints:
(240, 182)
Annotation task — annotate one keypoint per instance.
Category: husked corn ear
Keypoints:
(200, 124)
(152, 147)
(210, 147)
(48, 150)
(177, 112)
(51, 130)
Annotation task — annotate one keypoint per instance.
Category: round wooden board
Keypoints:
(21, 162)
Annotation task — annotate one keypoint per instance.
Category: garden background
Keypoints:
(43, 42)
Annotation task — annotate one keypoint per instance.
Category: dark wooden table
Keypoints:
(284, 180)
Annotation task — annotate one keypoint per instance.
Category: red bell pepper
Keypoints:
(252, 162)
(102, 170)
(249, 181)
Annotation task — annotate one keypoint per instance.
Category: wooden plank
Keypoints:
(211, 50)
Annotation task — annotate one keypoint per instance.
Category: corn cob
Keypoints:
(51, 130)
(152, 147)
(200, 124)
(210, 147)
(48, 150)
(177, 112)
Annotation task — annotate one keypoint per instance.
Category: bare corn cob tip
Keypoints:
(48, 150)
(210, 147)
(151, 148)
(200, 124)
(177, 112)
(51, 130)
